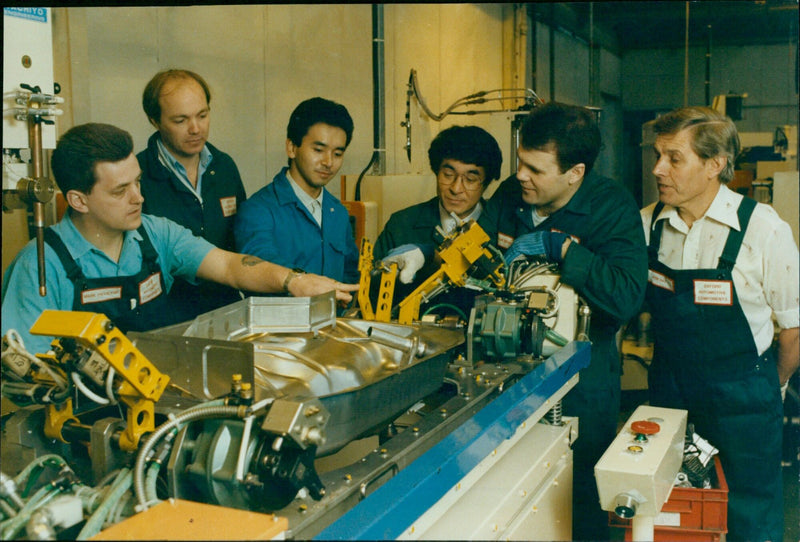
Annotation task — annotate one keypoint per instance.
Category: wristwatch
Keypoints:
(289, 276)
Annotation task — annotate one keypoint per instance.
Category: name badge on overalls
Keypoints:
(713, 292)
(659, 279)
(504, 241)
(98, 295)
(150, 288)
(228, 206)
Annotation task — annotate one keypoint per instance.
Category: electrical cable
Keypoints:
(199, 412)
(98, 518)
(17, 345)
(38, 465)
(112, 399)
(448, 306)
(10, 528)
(534, 268)
(76, 379)
(357, 196)
(476, 98)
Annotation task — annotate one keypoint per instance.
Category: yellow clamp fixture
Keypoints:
(142, 384)
(459, 252)
(383, 311)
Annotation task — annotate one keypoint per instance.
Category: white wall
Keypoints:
(456, 50)
(262, 60)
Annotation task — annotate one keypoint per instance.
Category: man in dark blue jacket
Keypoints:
(294, 220)
(555, 207)
(465, 160)
(188, 180)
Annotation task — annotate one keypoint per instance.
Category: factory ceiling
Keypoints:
(622, 26)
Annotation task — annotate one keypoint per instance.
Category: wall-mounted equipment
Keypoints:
(28, 112)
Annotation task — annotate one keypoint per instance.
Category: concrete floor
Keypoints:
(791, 500)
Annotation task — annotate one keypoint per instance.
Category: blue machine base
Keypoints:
(393, 507)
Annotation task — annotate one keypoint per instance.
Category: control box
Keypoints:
(636, 473)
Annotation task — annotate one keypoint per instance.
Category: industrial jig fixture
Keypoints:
(235, 407)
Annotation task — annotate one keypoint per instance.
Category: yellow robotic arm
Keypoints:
(464, 252)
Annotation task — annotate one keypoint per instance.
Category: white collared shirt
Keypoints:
(767, 271)
(314, 205)
(536, 217)
(449, 223)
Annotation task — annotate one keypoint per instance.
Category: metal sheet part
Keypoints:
(393, 507)
(257, 315)
(362, 382)
(464, 392)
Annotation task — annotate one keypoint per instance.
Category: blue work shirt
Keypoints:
(179, 254)
(274, 225)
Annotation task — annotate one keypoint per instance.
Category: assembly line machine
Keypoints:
(381, 424)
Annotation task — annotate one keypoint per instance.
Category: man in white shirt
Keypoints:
(721, 268)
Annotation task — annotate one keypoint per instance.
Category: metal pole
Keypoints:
(378, 90)
(686, 61)
(552, 37)
(708, 68)
(35, 141)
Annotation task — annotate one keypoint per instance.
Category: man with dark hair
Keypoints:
(295, 221)
(188, 180)
(465, 159)
(721, 268)
(106, 256)
(556, 208)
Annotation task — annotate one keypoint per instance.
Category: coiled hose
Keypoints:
(208, 410)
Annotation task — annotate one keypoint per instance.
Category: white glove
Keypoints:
(409, 260)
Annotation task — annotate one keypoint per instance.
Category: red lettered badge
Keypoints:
(713, 292)
(150, 288)
(228, 206)
(660, 280)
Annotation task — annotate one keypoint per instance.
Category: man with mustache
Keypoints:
(188, 180)
(105, 256)
(294, 221)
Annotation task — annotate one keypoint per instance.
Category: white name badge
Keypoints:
(150, 288)
(228, 206)
(713, 292)
(98, 295)
(661, 280)
(504, 241)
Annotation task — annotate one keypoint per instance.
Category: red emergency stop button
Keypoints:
(645, 427)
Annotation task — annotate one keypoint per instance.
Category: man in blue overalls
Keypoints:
(106, 256)
(721, 267)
